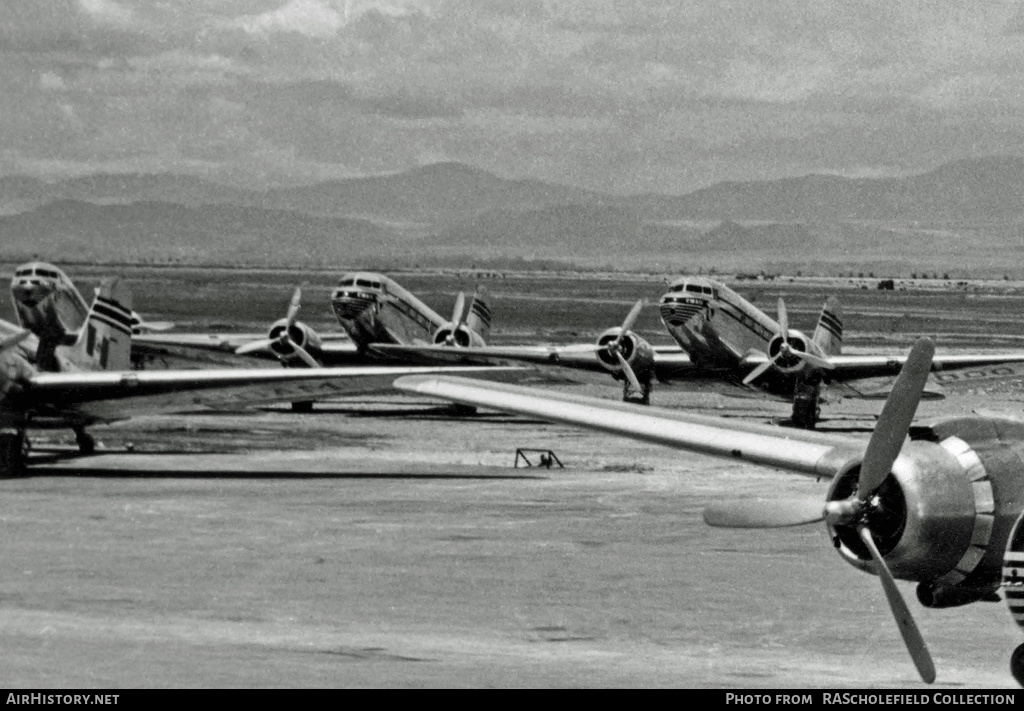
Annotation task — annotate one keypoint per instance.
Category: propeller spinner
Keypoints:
(786, 350)
(856, 511)
(285, 338)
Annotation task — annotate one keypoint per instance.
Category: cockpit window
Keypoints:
(694, 287)
(23, 272)
(375, 284)
(346, 282)
(707, 289)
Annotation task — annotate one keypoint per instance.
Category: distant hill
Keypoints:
(155, 231)
(982, 189)
(968, 212)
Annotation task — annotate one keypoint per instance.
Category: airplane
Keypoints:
(372, 308)
(938, 503)
(722, 339)
(51, 376)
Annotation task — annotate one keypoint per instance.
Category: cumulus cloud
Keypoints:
(312, 18)
(107, 12)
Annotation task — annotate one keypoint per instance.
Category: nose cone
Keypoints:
(31, 292)
(349, 304)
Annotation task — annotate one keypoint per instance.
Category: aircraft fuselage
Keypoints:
(373, 308)
(47, 303)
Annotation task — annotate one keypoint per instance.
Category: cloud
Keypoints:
(107, 12)
(312, 18)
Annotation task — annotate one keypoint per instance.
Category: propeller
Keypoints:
(615, 347)
(285, 337)
(458, 318)
(786, 350)
(882, 450)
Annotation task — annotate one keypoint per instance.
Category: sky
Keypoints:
(629, 96)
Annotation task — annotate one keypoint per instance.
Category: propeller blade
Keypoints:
(460, 305)
(908, 628)
(894, 422)
(814, 360)
(631, 317)
(630, 375)
(764, 513)
(14, 340)
(304, 356)
(758, 371)
(293, 307)
(253, 346)
(783, 320)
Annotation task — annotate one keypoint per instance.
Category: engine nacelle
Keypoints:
(943, 515)
(788, 364)
(936, 595)
(452, 334)
(301, 334)
(636, 351)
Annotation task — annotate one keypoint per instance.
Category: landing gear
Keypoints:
(806, 409)
(641, 397)
(13, 452)
(302, 406)
(1017, 664)
(86, 442)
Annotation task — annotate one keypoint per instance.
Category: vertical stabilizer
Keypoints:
(105, 342)
(829, 334)
(479, 318)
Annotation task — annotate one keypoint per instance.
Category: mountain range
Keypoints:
(451, 211)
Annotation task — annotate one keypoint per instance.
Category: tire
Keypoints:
(13, 452)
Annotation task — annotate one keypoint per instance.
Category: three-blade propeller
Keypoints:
(614, 348)
(285, 337)
(459, 316)
(786, 350)
(883, 449)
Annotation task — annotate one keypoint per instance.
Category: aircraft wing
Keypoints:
(852, 367)
(335, 348)
(803, 451)
(669, 361)
(109, 396)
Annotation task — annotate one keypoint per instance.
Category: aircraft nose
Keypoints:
(29, 292)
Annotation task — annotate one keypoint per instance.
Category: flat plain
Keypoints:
(384, 542)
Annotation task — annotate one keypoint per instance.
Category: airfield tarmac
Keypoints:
(381, 542)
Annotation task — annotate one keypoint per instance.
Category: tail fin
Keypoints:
(105, 342)
(479, 318)
(829, 334)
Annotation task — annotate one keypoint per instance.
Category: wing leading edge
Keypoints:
(107, 396)
(802, 451)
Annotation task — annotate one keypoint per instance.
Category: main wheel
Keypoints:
(13, 453)
(1017, 664)
(86, 442)
(806, 413)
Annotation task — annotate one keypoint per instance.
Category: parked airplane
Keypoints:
(722, 338)
(52, 376)
(372, 308)
(937, 509)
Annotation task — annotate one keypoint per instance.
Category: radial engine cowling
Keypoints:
(788, 363)
(300, 334)
(939, 518)
(453, 335)
(635, 350)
